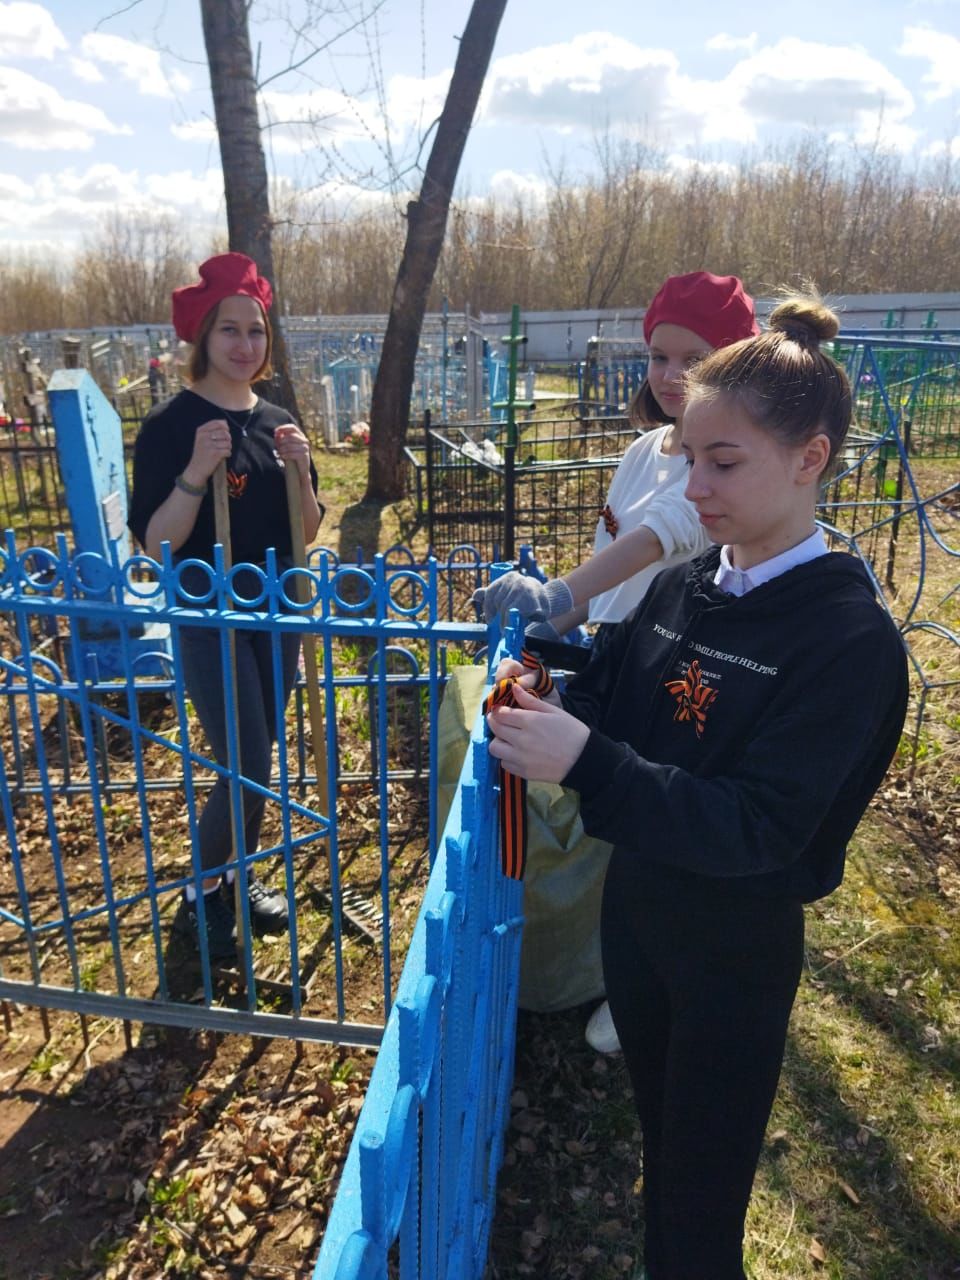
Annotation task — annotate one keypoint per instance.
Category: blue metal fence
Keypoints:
(611, 382)
(907, 386)
(418, 1187)
(73, 742)
(420, 1179)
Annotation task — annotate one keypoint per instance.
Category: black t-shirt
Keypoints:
(258, 497)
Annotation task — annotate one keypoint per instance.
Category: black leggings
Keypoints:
(700, 986)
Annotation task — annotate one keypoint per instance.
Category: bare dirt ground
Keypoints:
(183, 1154)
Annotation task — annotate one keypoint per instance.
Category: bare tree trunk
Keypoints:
(249, 226)
(426, 226)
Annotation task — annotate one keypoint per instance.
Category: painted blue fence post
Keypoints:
(90, 451)
(420, 1176)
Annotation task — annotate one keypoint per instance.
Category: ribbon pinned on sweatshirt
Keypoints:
(513, 790)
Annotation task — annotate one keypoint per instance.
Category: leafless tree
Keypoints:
(237, 90)
(246, 186)
(852, 220)
(426, 227)
(126, 273)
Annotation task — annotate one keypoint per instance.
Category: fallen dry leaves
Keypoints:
(213, 1168)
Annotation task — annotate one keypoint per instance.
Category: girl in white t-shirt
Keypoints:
(647, 524)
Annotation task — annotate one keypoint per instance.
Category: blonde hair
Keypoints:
(782, 380)
(198, 362)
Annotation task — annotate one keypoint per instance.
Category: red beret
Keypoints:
(225, 276)
(715, 308)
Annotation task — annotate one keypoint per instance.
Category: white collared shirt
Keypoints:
(737, 582)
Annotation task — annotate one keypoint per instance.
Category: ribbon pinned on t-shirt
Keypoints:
(513, 790)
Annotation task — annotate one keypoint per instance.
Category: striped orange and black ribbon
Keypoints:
(513, 790)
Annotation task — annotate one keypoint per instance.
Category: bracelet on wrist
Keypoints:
(194, 490)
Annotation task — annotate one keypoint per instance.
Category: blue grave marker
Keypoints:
(90, 449)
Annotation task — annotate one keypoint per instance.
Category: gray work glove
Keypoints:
(534, 601)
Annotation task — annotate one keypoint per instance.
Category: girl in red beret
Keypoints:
(221, 418)
(647, 524)
(712, 743)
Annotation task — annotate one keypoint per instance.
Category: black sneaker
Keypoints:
(220, 924)
(268, 907)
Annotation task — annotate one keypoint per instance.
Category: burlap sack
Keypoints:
(560, 956)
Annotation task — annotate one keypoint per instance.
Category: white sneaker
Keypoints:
(601, 1033)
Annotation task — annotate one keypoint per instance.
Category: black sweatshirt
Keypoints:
(736, 740)
(258, 495)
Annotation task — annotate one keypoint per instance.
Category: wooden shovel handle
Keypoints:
(314, 707)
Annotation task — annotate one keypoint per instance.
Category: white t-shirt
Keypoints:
(647, 489)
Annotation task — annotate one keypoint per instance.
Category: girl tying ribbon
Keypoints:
(726, 741)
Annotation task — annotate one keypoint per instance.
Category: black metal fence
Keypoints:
(470, 493)
(32, 497)
(470, 489)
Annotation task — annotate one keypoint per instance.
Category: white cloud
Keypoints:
(185, 190)
(949, 147)
(297, 122)
(593, 81)
(413, 101)
(323, 199)
(55, 213)
(13, 188)
(688, 164)
(600, 80)
(134, 62)
(35, 115)
(799, 82)
(888, 134)
(86, 70)
(29, 31)
(507, 184)
(942, 52)
(716, 112)
(73, 201)
(724, 42)
(53, 250)
(106, 187)
(99, 184)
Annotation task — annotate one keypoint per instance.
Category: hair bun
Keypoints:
(804, 318)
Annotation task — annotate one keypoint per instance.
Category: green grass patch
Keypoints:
(860, 1173)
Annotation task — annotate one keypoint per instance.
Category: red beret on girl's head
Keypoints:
(716, 308)
(225, 276)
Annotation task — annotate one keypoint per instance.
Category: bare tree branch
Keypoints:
(426, 229)
(322, 48)
(118, 13)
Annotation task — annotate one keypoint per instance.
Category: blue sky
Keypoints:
(105, 104)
